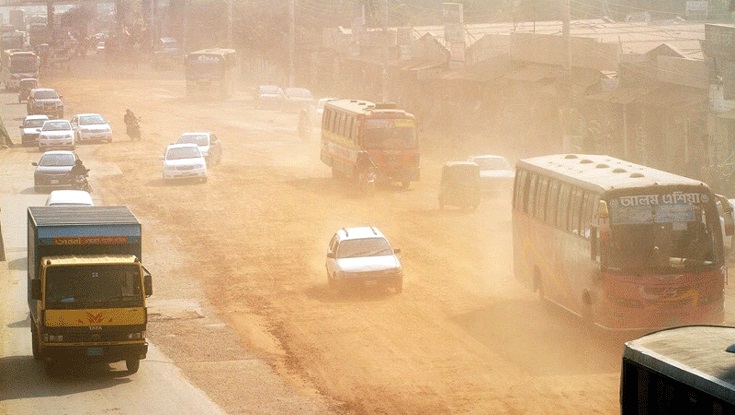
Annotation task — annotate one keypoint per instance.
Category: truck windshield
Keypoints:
(86, 286)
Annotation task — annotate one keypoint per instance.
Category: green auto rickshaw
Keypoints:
(460, 185)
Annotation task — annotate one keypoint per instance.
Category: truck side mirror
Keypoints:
(148, 285)
(36, 289)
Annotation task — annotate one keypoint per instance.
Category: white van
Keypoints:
(69, 198)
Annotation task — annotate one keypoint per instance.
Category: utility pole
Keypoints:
(291, 41)
(384, 79)
(566, 34)
(229, 24)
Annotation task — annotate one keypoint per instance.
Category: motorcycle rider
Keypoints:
(79, 169)
(131, 124)
(366, 169)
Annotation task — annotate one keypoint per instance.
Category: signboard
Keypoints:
(720, 40)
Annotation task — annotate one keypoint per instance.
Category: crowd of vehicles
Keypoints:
(87, 286)
(624, 246)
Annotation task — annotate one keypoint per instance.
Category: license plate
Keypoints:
(94, 351)
(371, 283)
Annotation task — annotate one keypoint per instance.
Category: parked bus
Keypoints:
(621, 245)
(683, 370)
(17, 64)
(386, 133)
(211, 72)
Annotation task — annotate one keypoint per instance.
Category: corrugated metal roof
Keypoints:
(82, 215)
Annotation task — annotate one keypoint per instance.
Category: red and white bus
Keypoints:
(387, 133)
(621, 245)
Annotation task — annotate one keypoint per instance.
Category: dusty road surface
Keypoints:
(239, 271)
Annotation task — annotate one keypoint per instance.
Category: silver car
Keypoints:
(184, 161)
(91, 127)
(362, 257)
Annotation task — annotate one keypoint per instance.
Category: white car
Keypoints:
(362, 257)
(184, 161)
(56, 134)
(496, 173)
(69, 198)
(31, 128)
(208, 144)
(91, 127)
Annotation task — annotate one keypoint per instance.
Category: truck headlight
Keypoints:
(138, 335)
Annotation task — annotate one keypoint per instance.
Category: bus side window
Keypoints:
(552, 200)
(348, 128)
(356, 132)
(563, 207)
(341, 124)
(530, 201)
(328, 120)
(575, 208)
(541, 198)
(519, 199)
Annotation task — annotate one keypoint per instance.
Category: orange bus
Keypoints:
(387, 133)
(621, 245)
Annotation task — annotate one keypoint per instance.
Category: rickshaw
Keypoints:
(460, 185)
(24, 88)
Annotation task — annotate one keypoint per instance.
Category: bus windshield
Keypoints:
(25, 64)
(659, 232)
(204, 66)
(390, 133)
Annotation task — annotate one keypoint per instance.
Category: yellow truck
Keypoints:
(87, 286)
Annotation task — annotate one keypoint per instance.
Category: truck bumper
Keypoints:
(106, 353)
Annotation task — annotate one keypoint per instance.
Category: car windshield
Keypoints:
(356, 248)
(198, 139)
(492, 163)
(91, 119)
(57, 160)
(56, 126)
(178, 153)
(45, 95)
(33, 123)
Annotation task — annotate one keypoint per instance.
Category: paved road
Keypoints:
(159, 387)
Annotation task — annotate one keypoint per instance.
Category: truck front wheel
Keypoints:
(133, 365)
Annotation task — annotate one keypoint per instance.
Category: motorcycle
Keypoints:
(80, 182)
(366, 180)
(133, 129)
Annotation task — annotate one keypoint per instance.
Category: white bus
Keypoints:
(17, 64)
